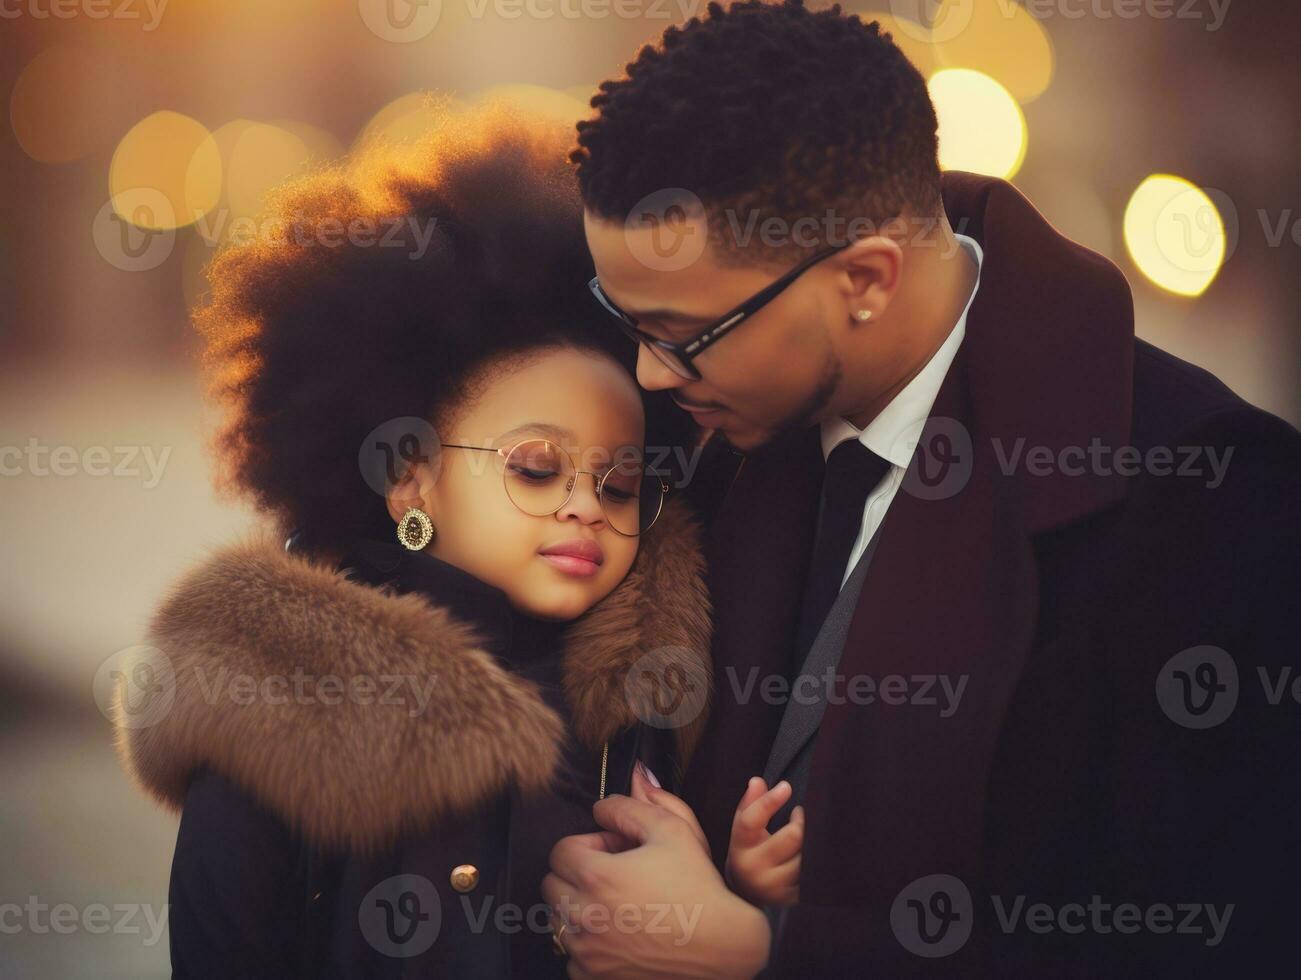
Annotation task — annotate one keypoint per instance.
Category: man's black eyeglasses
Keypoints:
(678, 357)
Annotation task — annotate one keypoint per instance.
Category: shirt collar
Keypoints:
(893, 434)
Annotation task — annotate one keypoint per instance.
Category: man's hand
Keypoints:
(642, 899)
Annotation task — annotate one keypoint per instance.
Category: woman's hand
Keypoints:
(646, 791)
(641, 899)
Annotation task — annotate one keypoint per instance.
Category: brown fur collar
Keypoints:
(362, 771)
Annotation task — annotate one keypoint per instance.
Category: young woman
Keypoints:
(376, 730)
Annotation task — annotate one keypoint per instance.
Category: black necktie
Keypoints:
(852, 471)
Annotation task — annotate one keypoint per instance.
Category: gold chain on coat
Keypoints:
(605, 761)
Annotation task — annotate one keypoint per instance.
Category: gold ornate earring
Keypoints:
(415, 530)
(863, 315)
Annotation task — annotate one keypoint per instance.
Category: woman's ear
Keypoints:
(417, 488)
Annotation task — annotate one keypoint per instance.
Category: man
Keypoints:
(1003, 592)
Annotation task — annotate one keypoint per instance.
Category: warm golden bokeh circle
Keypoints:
(173, 155)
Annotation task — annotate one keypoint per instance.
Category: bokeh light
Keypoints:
(263, 157)
(322, 145)
(1175, 234)
(909, 35)
(981, 127)
(999, 38)
(58, 108)
(407, 119)
(912, 39)
(174, 158)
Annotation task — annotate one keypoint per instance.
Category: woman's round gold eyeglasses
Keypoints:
(540, 477)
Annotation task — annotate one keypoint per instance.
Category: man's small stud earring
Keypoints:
(864, 315)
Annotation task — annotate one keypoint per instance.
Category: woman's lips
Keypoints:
(577, 556)
(572, 565)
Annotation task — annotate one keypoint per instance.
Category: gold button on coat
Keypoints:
(464, 877)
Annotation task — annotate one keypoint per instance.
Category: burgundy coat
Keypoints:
(1060, 593)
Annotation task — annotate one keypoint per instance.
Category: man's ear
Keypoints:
(870, 272)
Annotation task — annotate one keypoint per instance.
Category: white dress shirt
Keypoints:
(893, 434)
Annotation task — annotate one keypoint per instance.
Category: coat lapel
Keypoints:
(949, 610)
(758, 549)
(804, 713)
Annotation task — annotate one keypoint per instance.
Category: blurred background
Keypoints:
(141, 134)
